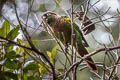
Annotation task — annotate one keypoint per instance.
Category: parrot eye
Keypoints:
(46, 15)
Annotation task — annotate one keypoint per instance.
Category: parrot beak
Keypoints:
(43, 17)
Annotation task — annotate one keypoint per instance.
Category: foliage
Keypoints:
(12, 56)
(14, 59)
(52, 55)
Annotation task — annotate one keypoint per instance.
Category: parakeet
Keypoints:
(62, 29)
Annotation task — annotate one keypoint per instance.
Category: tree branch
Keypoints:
(89, 55)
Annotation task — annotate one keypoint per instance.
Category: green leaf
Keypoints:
(11, 55)
(31, 66)
(54, 51)
(12, 64)
(5, 75)
(10, 48)
(19, 41)
(50, 55)
(42, 69)
(13, 33)
(11, 75)
(17, 50)
(25, 77)
(22, 50)
(5, 29)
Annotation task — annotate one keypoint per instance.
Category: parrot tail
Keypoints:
(89, 61)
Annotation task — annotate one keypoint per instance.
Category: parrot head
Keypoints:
(50, 17)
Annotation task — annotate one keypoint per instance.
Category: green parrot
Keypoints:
(62, 29)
